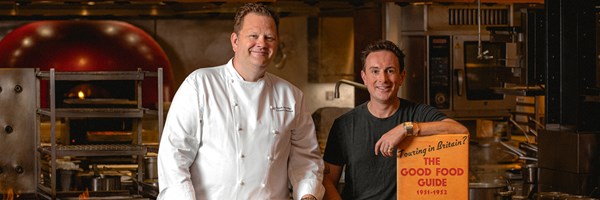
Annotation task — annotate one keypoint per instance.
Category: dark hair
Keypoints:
(255, 8)
(385, 46)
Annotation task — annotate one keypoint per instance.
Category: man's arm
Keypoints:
(179, 145)
(392, 138)
(305, 164)
(446, 126)
(331, 178)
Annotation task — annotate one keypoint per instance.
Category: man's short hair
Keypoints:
(382, 45)
(255, 8)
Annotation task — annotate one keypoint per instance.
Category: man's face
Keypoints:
(256, 42)
(382, 76)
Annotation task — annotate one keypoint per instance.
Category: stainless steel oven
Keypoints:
(443, 69)
(462, 78)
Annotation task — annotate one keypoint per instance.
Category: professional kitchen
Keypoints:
(86, 87)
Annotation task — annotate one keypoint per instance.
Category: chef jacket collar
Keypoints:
(235, 75)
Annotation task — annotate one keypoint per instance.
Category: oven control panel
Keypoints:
(439, 72)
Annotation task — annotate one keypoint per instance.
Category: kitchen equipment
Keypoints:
(150, 168)
(17, 130)
(113, 157)
(530, 173)
(489, 191)
(121, 137)
(568, 147)
(516, 151)
(530, 178)
(67, 179)
(86, 45)
(530, 149)
(106, 183)
(460, 84)
(521, 129)
(149, 188)
(550, 196)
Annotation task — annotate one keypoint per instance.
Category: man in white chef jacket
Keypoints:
(237, 132)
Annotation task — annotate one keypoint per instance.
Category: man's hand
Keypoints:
(389, 141)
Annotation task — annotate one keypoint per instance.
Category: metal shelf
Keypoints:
(521, 91)
(95, 112)
(96, 150)
(112, 108)
(95, 76)
(46, 191)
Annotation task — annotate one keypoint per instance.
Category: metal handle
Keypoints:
(537, 123)
(528, 158)
(521, 129)
(516, 150)
(460, 81)
(529, 146)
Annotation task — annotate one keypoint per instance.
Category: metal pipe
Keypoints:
(479, 53)
(336, 93)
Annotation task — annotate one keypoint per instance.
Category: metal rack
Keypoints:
(135, 149)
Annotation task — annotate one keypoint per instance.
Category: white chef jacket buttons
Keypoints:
(271, 107)
(263, 185)
(275, 132)
(239, 128)
(242, 156)
(270, 158)
(242, 182)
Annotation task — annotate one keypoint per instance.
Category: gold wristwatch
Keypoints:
(409, 128)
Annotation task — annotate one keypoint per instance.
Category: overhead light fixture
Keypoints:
(22, 3)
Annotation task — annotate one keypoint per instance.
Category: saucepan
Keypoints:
(106, 183)
(489, 191)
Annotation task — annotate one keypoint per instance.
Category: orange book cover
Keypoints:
(433, 167)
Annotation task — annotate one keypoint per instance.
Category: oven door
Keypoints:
(474, 79)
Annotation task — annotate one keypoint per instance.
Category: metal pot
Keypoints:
(150, 168)
(489, 191)
(106, 183)
(67, 180)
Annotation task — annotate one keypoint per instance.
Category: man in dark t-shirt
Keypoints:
(364, 139)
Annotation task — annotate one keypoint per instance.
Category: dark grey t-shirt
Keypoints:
(351, 142)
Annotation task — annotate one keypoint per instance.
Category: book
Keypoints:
(433, 167)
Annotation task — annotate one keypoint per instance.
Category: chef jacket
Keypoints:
(226, 138)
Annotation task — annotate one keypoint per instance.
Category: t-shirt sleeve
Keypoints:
(333, 150)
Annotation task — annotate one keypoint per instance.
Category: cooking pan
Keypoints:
(489, 191)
